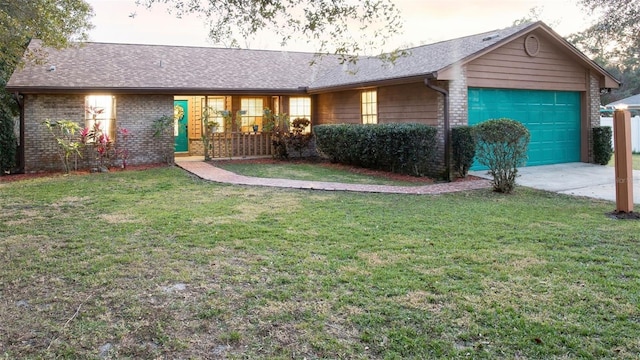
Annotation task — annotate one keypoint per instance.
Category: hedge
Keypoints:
(463, 145)
(401, 148)
(602, 148)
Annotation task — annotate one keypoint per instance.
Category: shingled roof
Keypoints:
(181, 70)
(418, 61)
(171, 69)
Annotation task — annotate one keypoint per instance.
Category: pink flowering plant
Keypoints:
(122, 150)
(101, 144)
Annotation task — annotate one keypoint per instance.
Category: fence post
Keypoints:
(623, 168)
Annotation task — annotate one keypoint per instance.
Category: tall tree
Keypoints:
(613, 41)
(342, 27)
(57, 23)
(618, 22)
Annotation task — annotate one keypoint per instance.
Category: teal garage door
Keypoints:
(552, 117)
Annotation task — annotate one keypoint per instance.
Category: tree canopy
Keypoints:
(55, 22)
(613, 41)
(342, 27)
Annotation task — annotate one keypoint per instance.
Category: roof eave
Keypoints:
(154, 91)
(368, 84)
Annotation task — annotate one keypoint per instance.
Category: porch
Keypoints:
(239, 144)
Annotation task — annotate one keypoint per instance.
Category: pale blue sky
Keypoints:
(426, 21)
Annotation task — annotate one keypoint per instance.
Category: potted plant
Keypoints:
(213, 126)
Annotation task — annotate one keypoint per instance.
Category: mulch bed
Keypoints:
(319, 162)
(621, 215)
(44, 174)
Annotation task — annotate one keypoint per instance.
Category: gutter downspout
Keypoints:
(447, 126)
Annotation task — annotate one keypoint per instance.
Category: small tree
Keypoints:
(64, 132)
(209, 126)
(278, 125)
(297, 139)
(163, 131)
(464, 149)
(502, 147)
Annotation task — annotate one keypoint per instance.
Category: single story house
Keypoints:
(525, 72)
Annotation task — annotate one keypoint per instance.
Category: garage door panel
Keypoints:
(552, 117)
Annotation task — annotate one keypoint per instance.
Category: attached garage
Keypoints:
(552, 117)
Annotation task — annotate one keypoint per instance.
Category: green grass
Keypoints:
(635, 161)
(309, 172)
(160, 264)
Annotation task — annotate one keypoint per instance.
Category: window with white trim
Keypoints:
(101, 109)
(300, 107)
(369, 107)
(215, 105)
(253, 108)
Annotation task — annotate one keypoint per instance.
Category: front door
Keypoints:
(181, 116)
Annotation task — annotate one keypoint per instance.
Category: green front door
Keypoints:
(181, 112)
(552, 117)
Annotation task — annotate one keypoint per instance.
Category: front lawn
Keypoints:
(159, 264)
(317, 171)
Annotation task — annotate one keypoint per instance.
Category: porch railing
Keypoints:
(240, 144)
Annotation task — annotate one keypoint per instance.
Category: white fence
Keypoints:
(635, 131)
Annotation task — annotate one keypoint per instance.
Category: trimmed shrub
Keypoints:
(602, 147)
(501, 145)
(463, 146)
(400, 148)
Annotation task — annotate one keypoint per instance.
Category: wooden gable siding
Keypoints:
(408, 103)
(510, 67)
(341, 107)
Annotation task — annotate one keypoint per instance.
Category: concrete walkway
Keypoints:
(578, 179)
(207, 171)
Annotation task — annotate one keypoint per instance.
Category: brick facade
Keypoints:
(594, 110)
(133, 112)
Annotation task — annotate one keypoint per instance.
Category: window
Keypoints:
(101, 109)
(215, 105)
(253, 109)
(370, 107)
(300, 107)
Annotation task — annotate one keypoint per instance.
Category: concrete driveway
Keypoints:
(579, 179)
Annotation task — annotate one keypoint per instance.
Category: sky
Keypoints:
(425, 21)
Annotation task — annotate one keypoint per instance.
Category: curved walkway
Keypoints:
(209, 172)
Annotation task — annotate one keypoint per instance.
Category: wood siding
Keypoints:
(408, 103)
(396, 104)
(509, 67)
(338, 108)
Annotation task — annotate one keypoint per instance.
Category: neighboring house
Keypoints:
(631, 103)
(526, 72)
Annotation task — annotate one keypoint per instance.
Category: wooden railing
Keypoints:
(240, 144)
